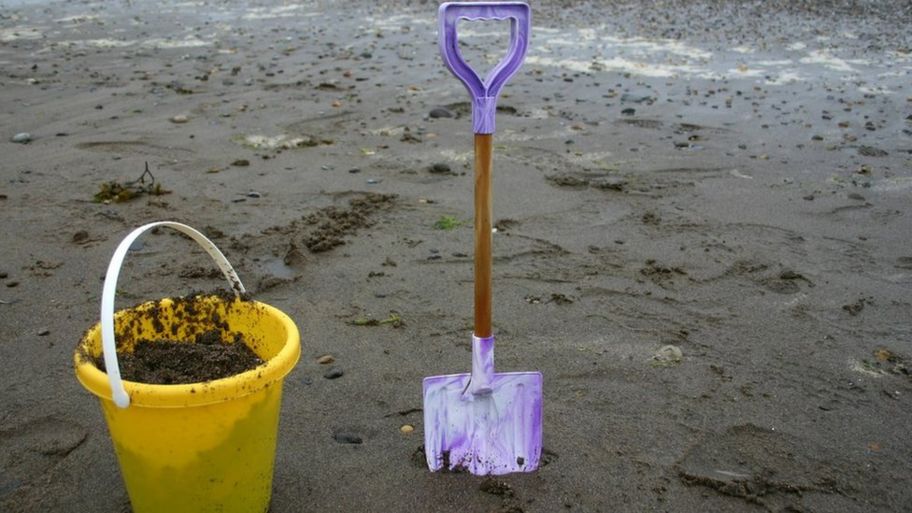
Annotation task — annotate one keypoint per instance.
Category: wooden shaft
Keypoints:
(483, 162)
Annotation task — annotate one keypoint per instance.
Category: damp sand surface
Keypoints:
(702, 212)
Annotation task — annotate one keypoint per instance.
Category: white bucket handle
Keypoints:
(119, 394)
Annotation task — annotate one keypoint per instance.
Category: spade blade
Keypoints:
(495, 432)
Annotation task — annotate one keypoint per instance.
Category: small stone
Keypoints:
(870, 151)
(180, 119)
(43, 332)
(366, 55)
(3, 275)
(667, 356)
(809, 197)
(333, 373)
(12, 284)
(80, 237)
(441, 112)
(440, 169)
(344, 437)
(241, 163)
(326, 359)
(628, 111)
(254, 194)
(634, 98)
(406, 429)
(22, 138)
(354, 171)
(373, 181)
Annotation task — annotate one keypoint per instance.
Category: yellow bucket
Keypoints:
(201, 447)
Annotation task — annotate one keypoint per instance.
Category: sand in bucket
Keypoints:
(196, 447)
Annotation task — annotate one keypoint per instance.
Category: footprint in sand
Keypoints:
(31, 449)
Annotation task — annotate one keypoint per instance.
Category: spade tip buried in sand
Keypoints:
(483, 422)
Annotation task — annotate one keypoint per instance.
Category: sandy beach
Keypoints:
(703, 241)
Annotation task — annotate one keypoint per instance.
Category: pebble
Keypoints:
(439, 169)
(80, 237)
(344, 437)
(633, 98)
(441, 112)
(325, 359)
(12, 284)
(333, 373)
(254, 194)
(43, 332)
(667, 356)
(3, 275)
(373, 181)
(241, 163)
(870, 151)
(22, 138)
(180, 119)
(406, 429)
(628, 111)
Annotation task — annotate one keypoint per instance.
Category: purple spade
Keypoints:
(483, 422)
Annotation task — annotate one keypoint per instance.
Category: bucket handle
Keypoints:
(118, 392)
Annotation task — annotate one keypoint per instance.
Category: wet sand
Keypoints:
(728, 178)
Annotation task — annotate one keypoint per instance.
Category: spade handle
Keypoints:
(483, 235)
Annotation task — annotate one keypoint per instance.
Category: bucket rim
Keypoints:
(201, 393)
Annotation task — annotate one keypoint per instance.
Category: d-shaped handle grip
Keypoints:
(484, 92)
